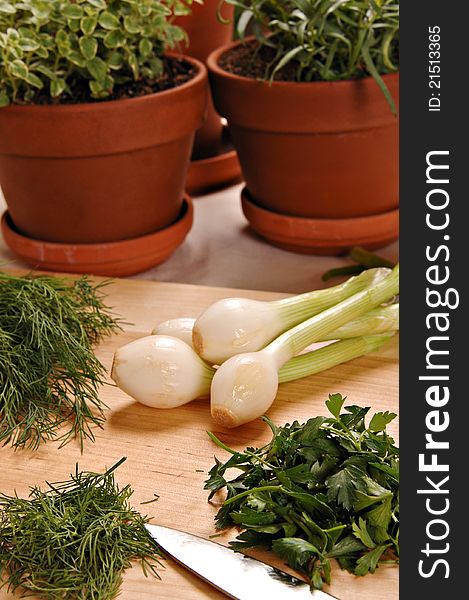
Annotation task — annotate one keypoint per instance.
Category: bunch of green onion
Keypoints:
(239, 350)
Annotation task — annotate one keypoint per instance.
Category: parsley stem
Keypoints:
(305, 528)
(258, 458)
(336, 528)
(345, 436)
(264, 488)
(220, 443)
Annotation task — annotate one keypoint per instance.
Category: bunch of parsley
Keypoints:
(328, 488)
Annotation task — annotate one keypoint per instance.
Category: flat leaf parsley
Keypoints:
(328, 488)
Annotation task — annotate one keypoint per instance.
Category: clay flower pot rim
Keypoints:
(105, 105)
(212, 64)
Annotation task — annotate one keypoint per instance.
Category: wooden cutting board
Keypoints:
(169, 453)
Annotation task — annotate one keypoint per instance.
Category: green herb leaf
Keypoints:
(97, 69)
(145, 47)
(368, 259)
(57, 86)
(102, 4)
(381, 515)
(361, 532)
(334, 404)
(296, 551)
(88, 24)
(72, 11)
(324, 489)
(368, 562)
(249, 517)
(19, 69)
(4, 99)
(346, 547)
(310, 430)
(114, 39)
(88, 47)
(108, 21)
(380, 420)
(365, 260)
(342, 486)
(343, 272)
(76, 58)
(7, 8)
(34, 80)
(132, 24)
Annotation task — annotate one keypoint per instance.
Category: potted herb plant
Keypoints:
(214, 162)
(96, 130)
(311, 102)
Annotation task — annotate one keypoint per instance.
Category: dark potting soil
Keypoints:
(175, 73)
(254, 61)
(248, 60)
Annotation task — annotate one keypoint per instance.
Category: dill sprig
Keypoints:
(74, 540)
(49, 374)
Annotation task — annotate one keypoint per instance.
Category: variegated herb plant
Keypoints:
(45, 45)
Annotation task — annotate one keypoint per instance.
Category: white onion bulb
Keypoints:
(243, 388)
(180, 328)
(161, 371)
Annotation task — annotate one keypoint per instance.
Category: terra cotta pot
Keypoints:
(315, 150)
(100, 172)
(206, 33)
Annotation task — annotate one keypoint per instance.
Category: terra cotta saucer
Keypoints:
(115, 259)
(214, 172)
(326, 237)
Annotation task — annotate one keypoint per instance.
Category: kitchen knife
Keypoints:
(234, 574)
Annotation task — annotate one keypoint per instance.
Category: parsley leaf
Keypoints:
(368, 562)
(296, 551)
(380, 420)
(362, 533)
(334, 404)
(322, 490)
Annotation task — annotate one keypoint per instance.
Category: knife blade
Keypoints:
(234, 574)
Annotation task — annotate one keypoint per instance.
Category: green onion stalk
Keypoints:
(245, 386)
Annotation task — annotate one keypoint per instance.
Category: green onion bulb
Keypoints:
(236, 325)
(244, 387)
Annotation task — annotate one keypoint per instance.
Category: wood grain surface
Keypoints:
(168, 452)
